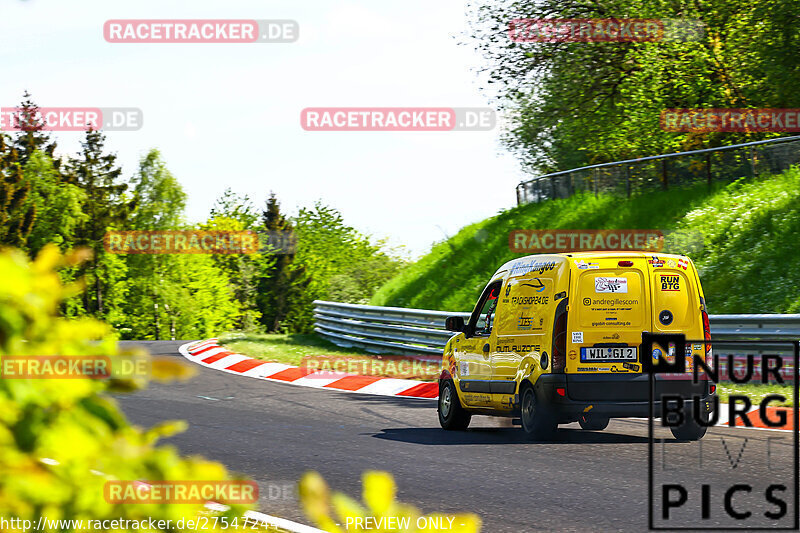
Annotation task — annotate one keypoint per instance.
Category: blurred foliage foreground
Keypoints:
(61, 440)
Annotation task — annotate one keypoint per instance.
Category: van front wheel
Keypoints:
(537, 424)
(452, 416)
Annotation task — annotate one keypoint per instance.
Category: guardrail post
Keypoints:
(664, 177)
(553, 186)
(628, 179)
(708, 170)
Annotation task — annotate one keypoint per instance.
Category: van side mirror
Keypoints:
(454, 323)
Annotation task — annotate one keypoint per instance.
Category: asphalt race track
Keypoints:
(587, 481)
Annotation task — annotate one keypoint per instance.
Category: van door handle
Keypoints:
(486, 348)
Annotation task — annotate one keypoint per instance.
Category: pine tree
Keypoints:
(32, 135)
(274, 288)
(106, 205)
(16, 217)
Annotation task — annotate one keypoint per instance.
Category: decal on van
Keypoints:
(532, 266)
(683, 263)
(520, 349)
(577, 337)
(656, 262)
(603, 284)
(526, 300)
(670, 282)
(537, 284)
(583, 265)
(525, 323)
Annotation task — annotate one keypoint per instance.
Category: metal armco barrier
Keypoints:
(398, 330)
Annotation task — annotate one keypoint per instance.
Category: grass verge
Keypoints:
(316, 353)
(747, 264)
(757, 392)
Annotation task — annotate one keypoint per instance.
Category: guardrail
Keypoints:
(624, 178)
(421, 332)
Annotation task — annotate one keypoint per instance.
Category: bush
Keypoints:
(62, 439)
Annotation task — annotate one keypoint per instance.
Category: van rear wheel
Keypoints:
(690, 429)
(593, 422)
(536, 423)
(452, 416)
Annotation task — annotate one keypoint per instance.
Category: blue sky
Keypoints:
(228, 115)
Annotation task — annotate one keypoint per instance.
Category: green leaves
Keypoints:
(574, 104)
(61, 440)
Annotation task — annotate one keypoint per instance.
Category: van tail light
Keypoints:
(560, 339)
(625, 263)
(707, 334)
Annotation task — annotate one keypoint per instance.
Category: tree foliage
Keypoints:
(570, 104)
(61, 440)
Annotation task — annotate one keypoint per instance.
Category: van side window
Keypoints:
(480, 324)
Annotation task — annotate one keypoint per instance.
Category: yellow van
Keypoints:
(555, 339)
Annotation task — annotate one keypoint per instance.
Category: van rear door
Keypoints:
(676, 299)
(609, 309)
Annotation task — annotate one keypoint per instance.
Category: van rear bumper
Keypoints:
(614, 395)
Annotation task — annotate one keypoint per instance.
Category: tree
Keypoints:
(335, 259)
(17, 215)
(58, 205)
(571, 104)
(32, 135)
(274, 287)
(106, 206)
(235, 206)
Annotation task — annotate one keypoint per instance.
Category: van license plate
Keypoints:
(608, 354)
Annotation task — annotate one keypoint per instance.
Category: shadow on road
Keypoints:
(439, 437)
(397, 401)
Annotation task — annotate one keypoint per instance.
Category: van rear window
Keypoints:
(610, 299)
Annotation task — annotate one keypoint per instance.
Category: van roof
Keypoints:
(580, 255)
